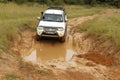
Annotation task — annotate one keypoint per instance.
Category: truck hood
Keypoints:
(52, 24)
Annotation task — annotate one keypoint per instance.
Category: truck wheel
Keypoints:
(63, 39)
(37, 37)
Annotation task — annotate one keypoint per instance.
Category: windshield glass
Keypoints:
(52, 17)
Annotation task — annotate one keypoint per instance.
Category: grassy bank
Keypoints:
(106, 25)
(13, 17)
(78, 11)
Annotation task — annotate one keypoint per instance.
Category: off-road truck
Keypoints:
(52, 23)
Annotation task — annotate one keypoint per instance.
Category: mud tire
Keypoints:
(62, 39)
(37, 37)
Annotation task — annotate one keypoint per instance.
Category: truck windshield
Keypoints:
(52, 17)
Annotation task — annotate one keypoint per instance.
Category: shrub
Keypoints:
(4, 1)
(20, 1)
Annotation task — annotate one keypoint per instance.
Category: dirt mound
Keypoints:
(114, 73)
(97, 58)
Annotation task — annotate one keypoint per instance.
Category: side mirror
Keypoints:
(41, 13)
(66, 19)
(38, 18)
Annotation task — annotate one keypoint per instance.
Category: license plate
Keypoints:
(50, 29)
(50, 32)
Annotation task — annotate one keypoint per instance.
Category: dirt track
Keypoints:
(71, 60)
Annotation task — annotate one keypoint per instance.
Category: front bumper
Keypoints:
(43, 33)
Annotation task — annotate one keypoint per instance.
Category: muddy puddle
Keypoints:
(50, 50)
(45, 51)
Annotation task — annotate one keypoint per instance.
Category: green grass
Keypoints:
(11, 77)
(106, 25)
(13, 17)
(78, 11)
(42, 72)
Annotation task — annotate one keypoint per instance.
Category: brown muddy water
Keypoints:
(48, 50)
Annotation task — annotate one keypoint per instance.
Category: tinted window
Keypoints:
(52, 17)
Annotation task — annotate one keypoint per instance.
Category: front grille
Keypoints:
(50, 29)
(49, 35)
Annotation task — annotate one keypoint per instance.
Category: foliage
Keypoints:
(76, 2)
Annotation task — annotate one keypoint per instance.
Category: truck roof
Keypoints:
(57, 8)
(54, 11)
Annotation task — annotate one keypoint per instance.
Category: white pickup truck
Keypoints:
(52, 23)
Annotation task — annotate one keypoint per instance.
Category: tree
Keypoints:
(58, 2)
(20, 1)
(93, 2)
(4, 1)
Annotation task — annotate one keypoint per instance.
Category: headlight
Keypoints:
(60, 29)
(40, 28)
